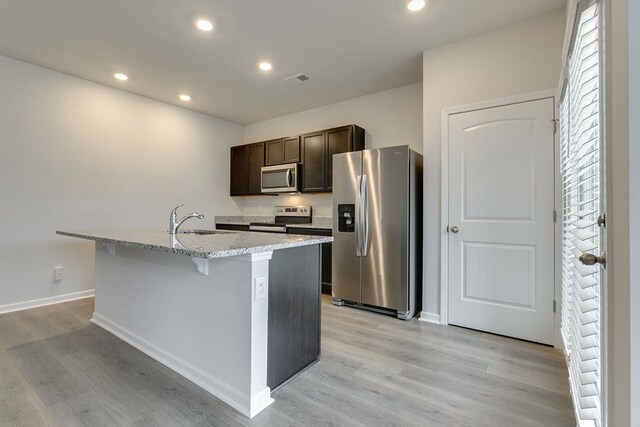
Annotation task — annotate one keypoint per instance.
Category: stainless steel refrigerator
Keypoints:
(377, 230)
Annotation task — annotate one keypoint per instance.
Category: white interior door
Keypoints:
(501, 215)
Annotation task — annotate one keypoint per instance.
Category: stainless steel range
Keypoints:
(284, 215)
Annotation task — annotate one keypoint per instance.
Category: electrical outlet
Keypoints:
(57, 273)
(260, 288)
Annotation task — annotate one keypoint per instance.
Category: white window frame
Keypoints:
(575, 8)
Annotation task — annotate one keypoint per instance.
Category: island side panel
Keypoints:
(294, 312)
(207, 328)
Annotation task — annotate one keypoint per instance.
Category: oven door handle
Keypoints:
(268, 228)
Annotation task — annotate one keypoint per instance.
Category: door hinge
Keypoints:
(555, 216)
(554, 306)
(554, 123)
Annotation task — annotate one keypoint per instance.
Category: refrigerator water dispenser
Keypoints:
(346, 218)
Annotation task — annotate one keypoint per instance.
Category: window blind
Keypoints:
(581, 158)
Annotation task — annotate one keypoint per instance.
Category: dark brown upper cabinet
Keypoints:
(315, 150)
(318, 149)
(314, 157)
(238, 178)
(282, 151)
(255, 153)
(246, 164)
(273, 152)
(291, 150)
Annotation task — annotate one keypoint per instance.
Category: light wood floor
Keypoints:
(56, 368)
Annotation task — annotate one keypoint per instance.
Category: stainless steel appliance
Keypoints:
(377, 248)
(280, 179)
(284, 215)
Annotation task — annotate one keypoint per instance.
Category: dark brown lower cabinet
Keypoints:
(294, 313)
(232, 227)
(327, 253)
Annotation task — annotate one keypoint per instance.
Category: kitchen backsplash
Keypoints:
(263, 205)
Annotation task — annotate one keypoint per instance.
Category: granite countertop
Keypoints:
(219, 245)
(322, 222)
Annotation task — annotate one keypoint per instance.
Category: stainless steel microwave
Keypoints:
(281, 178)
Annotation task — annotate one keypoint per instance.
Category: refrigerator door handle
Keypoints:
(358, 214)
(365, 215)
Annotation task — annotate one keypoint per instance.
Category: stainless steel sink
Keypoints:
(204, 232)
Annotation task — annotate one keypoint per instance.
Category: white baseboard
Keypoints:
(260, 401)
(430, 317)
(18, 306)
(217, 388)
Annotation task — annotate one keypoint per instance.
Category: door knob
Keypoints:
(591, 259)
(454, 229)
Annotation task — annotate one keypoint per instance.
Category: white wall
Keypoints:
(621, 216)
(392, 117)
(75, 154)
(521, 58)
(634, 208)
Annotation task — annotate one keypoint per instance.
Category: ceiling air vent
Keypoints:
(302, 77)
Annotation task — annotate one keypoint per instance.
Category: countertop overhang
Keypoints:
(226, 244)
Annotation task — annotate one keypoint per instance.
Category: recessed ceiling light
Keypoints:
(184, 97)
(121, 76)
(265, 66)
(416, 5)
(204, 25)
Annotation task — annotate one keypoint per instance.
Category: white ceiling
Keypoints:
(349, 47)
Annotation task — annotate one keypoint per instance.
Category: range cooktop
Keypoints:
(284, 215)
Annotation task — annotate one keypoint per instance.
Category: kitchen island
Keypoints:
(235, 313)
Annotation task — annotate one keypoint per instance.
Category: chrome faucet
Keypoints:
(174, 224)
